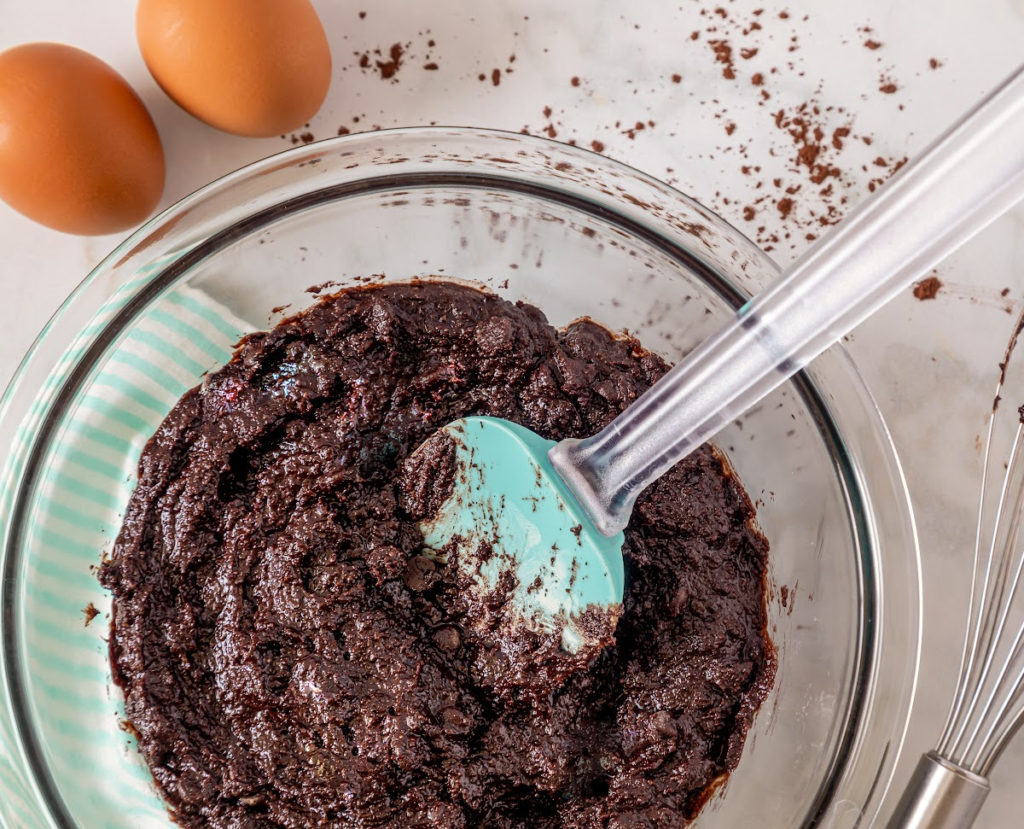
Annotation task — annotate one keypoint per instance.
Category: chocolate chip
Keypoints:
(386, 562)
(447, 639)
(454, 721)
(420, 574)
(664, 723)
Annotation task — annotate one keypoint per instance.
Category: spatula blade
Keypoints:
(510, 513)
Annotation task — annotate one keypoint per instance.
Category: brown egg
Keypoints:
(250, 67)
(78, 150)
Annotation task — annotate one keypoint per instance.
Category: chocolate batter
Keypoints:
(290, 658)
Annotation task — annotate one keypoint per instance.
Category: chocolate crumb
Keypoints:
(388, 68)
(597, 146)
(496, 77)
(90, 612)
(927, 288)
(575, 80)
(872, 44)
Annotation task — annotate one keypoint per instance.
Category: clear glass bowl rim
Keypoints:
(857, 786)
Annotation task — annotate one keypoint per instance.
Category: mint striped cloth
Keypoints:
(76, 515)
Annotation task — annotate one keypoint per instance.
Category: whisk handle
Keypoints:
(940, 795)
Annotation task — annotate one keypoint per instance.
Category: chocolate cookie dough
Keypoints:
(288, 655)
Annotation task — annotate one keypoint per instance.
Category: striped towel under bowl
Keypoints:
(72, 709)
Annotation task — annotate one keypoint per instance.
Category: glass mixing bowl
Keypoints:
(530, 219)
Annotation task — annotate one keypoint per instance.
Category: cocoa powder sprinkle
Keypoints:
(723, 54)
(817, 183)
(389, 67)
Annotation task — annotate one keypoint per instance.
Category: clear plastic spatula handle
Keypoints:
(971, 175)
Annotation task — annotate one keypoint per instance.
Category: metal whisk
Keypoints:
(950, 782)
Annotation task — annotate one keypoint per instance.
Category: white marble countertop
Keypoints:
(931, 365)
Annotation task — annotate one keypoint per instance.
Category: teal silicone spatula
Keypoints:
(547, 518)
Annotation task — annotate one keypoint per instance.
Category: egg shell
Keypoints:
(249, 67)
(78, 150)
